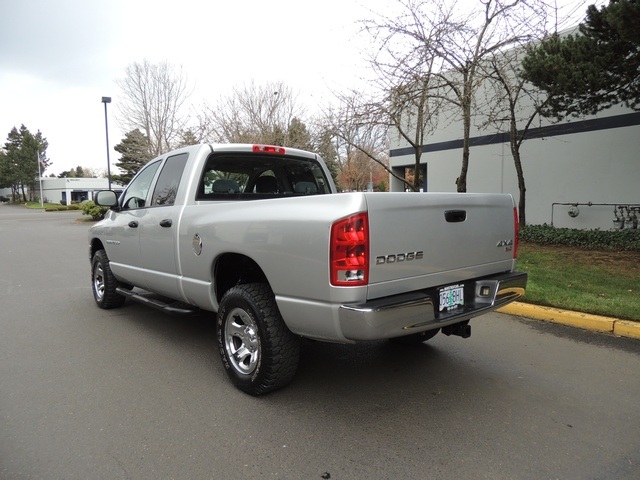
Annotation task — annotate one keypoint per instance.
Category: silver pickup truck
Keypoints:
(258, 235)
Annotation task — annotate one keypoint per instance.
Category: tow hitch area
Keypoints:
(462, 329)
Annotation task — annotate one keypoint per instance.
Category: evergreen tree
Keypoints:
(68, 174)
(134, 149)
(299, 136)
(187, 138)
(600, 67)
(19, 167)
(324, 145)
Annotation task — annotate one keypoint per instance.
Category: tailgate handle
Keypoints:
(455, 216)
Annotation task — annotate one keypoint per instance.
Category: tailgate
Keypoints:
(424, 240)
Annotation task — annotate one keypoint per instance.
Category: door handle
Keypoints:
(133, 224)
(167, 222)
(455, 216)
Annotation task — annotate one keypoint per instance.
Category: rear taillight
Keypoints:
(268, 149)
(516, 232)
(349, 251)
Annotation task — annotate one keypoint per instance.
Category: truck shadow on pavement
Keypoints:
(380, 374)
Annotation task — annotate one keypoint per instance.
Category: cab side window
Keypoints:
(169, 180)
(135, 196)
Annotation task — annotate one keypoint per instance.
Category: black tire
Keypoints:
(417, 338)
(258, 351)
(103, 283)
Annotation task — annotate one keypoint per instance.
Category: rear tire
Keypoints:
(103, 283)
(417, 338)
(258, 351)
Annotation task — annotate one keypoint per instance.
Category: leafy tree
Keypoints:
(24, 159)
(593, 70)
(134, 149)
(78, 172)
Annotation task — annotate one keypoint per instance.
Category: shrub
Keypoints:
(614, 240)
(94, 211)
(51, 209)
(73, 206)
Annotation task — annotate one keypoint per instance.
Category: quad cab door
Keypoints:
(123, 231)
(159, 230)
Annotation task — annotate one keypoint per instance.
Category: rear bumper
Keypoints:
(417, 312)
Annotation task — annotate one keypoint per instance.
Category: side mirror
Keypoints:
(106, 198)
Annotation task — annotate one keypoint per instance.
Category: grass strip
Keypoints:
(598, 282)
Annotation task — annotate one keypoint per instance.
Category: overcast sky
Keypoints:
(58, 58)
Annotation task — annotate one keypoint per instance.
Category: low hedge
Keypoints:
(614, 240)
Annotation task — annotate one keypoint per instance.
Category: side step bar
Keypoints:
(160, 303)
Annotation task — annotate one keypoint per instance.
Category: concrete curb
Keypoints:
(623, 328)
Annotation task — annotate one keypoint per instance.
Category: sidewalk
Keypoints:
(623, 328)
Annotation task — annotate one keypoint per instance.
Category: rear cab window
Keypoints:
(252, 176)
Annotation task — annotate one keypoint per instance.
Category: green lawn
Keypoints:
(37, 205)
(602, 283)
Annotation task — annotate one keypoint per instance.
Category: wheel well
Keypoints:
(95, 246)
(233, 269)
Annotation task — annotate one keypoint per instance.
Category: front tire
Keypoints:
(258, 351)
(103, 283)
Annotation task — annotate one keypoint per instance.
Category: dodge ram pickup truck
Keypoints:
(258, 235)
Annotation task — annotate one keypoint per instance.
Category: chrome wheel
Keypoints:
(103, 283)
(241, 341)
(98, 281)
(258, 351)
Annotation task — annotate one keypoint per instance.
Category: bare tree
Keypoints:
(155, 95)
(435, 48)
(473, 38)
(254, 114)
(93, 172)
(404, 65)
(511, 101)
(513, 104)
(358, 134)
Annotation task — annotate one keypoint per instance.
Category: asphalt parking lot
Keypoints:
(133, 393)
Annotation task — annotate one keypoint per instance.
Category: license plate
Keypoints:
(451, 297)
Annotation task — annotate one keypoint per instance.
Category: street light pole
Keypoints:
(106, 100)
